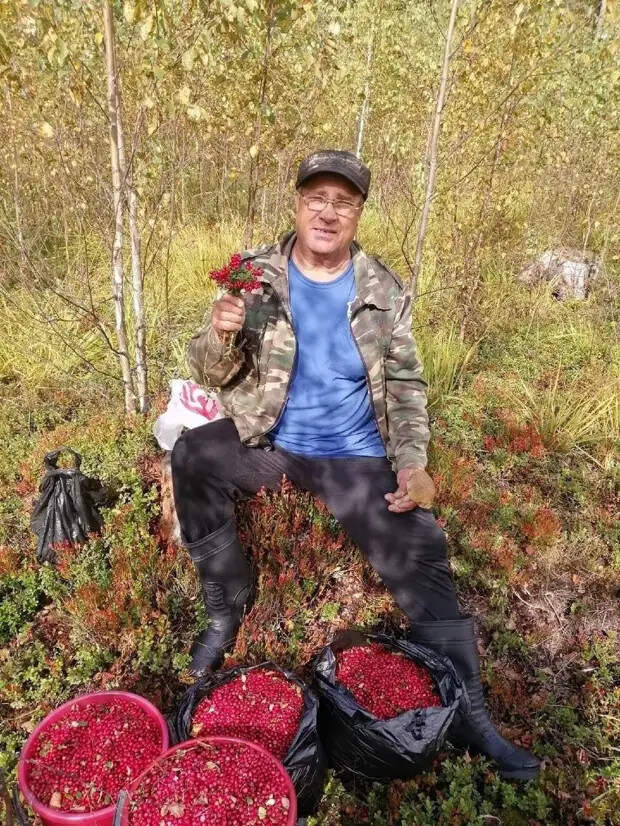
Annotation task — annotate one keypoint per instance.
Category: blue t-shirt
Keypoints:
(328, 412)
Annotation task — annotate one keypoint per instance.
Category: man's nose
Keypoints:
(328, 213)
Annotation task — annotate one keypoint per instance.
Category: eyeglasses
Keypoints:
(316, 203)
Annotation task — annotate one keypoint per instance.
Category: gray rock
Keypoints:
(571, 272)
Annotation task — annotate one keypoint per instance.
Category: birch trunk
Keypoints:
(117, 246)
(366, 102)
(431, 153)
(19, 232)
(473, 256)
(137, 292)
(254, 159)
(600, 18)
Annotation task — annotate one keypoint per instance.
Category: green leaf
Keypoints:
(330, 611)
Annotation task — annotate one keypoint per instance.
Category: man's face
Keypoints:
(325, 232)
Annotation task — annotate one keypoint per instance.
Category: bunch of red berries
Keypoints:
(237, 276)
(212, 784)
(82, 761)
(261, 705)
(385, 682)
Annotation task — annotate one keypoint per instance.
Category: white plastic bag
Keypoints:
(189, 406)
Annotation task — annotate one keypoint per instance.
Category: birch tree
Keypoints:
(432, 148)
(366, 99)
(115, 129)
(131, 203)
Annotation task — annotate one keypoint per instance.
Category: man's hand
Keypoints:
(228, 314)
(415, 489)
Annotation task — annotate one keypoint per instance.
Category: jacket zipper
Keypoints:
(374, 412)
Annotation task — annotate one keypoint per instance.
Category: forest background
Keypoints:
(141, 144)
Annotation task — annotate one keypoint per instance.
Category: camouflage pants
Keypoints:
(212, 469)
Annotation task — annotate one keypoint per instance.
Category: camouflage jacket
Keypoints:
(253, 381)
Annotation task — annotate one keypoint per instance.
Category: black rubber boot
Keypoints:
(456, 640)
(226, 580)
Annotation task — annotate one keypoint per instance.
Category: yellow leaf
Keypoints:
(185, 94)
(253, 151)
(46, 130)
(145, 28)
(129, 11)
(188, 59)
(195, 112)
(98, 38)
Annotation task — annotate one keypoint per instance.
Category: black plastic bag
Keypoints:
(305, 760)
(362, 745)
(67, 508)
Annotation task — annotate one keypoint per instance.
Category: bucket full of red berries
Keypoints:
(77, 759)
(212, 781)
(385, 704)
(264, 704)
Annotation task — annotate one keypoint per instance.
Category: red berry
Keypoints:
(237, 276)
(223, 784)
(261, 706)
(81, 761)
(385, 682)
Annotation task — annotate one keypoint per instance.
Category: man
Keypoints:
(324, 385)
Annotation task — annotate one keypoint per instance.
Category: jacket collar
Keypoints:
(369, 284)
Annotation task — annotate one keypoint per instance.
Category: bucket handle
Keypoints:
(4, 795)
(51, 458)
(14, 811)
(120, 805)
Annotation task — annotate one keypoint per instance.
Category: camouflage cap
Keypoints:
(340, 163)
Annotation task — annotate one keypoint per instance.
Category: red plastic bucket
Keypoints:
(123, 819)
(101, 817)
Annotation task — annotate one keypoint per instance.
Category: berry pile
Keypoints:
(385, 682)
(238, 276)
(81, 761)
(205, 784)
(261, 706)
